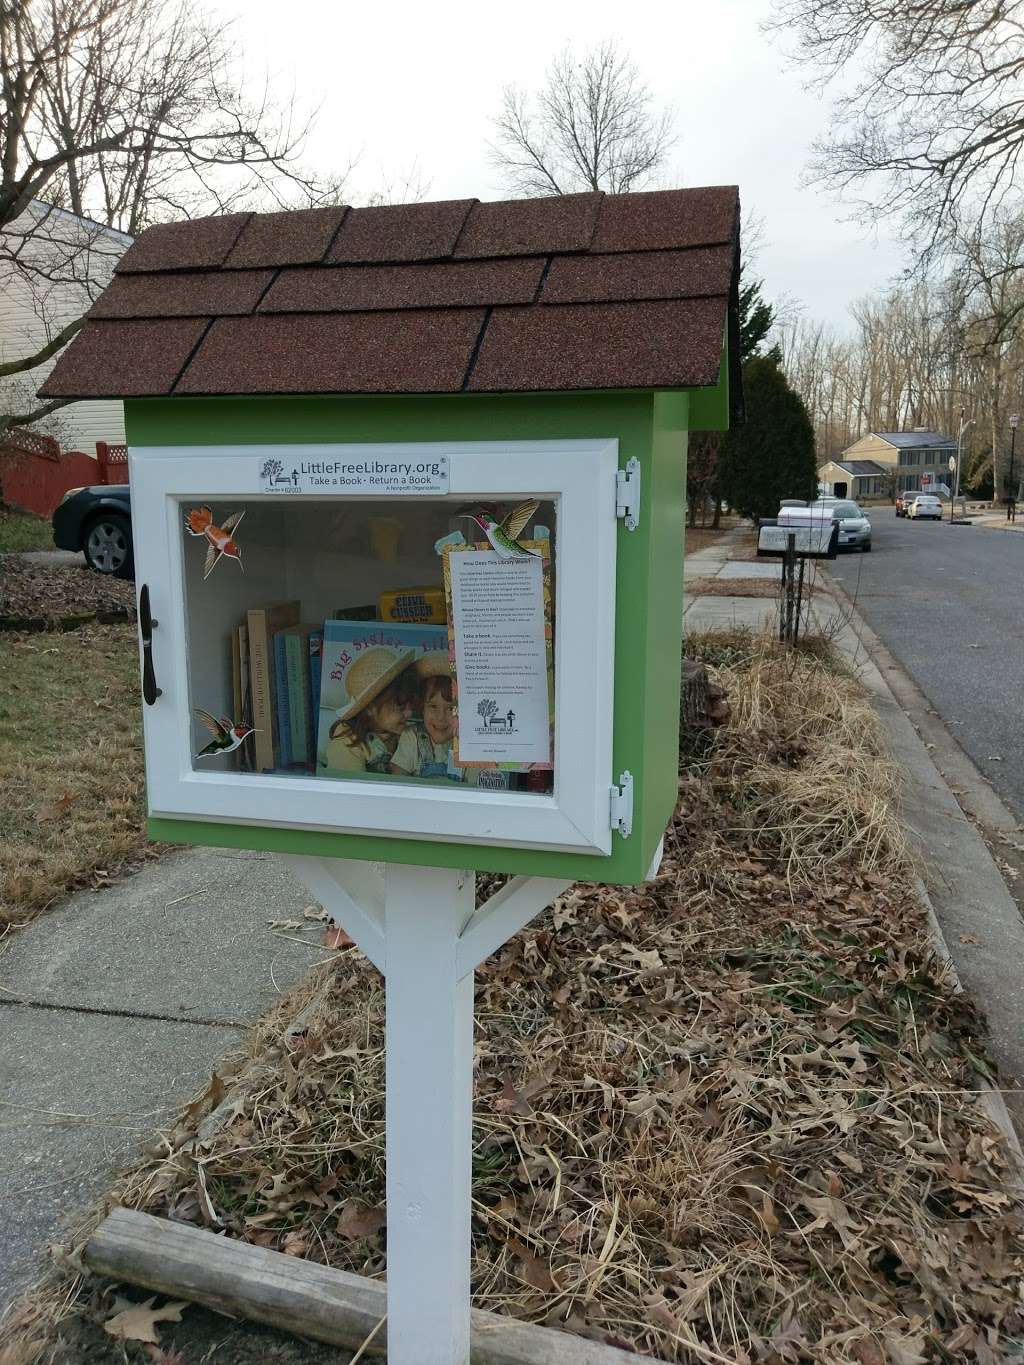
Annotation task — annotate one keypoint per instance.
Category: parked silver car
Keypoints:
(854, 526)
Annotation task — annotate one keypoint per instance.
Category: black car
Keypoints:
(98, 521)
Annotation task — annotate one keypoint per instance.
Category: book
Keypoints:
(316, 658)
(362, 662)
(281, 700)
(296, 643)
(248, 749)
(424, 604)
(262, 623)
(236, 676)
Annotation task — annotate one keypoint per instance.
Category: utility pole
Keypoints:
(1011, 501)
(964, 424)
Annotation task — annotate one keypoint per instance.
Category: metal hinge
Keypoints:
(627, 493)
(622, 805)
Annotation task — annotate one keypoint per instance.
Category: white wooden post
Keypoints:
(421, 928)
(429, 1115)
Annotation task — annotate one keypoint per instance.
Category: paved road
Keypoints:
(948, 601)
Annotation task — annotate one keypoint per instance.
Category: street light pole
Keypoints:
(956, 480)
(1011, 501)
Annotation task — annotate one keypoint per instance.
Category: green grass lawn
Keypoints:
(71, 767)
(24, 531)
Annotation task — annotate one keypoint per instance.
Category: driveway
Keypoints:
(948, 601)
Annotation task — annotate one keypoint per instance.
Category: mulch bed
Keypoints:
(728, 1116)
(39, 596)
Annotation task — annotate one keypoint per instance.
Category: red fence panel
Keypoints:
(36, 473)
(112, 461)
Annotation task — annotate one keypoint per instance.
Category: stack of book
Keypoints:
(275, 661)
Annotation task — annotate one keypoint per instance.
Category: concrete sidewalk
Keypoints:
(114, 1009)
(707, 612)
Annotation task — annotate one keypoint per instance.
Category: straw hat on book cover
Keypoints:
(368, 676)
(435, 663)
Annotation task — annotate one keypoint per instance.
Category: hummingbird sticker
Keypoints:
(227, 736)
(504, 536)
(199, 522)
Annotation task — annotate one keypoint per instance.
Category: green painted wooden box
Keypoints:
(628, 329)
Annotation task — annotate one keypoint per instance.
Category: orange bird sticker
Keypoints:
(199, 522)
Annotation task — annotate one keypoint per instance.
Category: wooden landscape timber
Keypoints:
(301, 1297)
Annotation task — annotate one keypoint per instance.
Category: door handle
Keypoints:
(147, 625)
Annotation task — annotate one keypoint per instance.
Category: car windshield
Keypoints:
(846, 510)
(928, 497)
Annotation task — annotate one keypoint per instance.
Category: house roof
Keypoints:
(861, 469)
(40, 209)
(572, 292)
(907, 440)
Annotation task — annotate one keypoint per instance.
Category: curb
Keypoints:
(990, 1097)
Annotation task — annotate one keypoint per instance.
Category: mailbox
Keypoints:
(335, 419)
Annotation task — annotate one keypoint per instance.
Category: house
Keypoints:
(857, 479)
(908, 459)
(66, 261)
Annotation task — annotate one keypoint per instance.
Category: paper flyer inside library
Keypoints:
(500, 635)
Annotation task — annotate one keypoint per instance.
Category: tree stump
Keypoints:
(702, 703)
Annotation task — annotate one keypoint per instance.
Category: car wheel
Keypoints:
(866, 548)
(108, 545)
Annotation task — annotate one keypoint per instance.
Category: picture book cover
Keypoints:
(386, 702)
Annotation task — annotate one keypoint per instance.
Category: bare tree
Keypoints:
(933, 127)
(591, 127)
(125, 112)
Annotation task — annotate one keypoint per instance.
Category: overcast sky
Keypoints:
(406, 85)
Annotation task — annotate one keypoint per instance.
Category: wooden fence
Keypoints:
(36, 473)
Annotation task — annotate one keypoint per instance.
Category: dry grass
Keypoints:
(70, 764)
(727, 1116)
(731, 587)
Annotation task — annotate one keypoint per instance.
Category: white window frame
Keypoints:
(575, 818)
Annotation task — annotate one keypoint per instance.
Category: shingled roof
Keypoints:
(573, 292)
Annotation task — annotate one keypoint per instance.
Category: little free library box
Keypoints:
(337, 418)
(408, 486)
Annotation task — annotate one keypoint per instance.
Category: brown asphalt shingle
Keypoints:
(401, 232)
(638, 275)
(297, 238)
(203, 293)
(526, 227)
(124, 359)
(570, 292)
(671, 219)
(191, 245)
(420, 352)
(592, 346)
(472, 284)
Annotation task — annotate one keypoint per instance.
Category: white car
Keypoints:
(925, 505)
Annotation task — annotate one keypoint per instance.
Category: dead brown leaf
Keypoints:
(138, 1321)
(358, 1221)
(336, 937)
(57, 808)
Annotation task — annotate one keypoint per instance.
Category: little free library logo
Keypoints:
(494, 720)
(365, 475)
